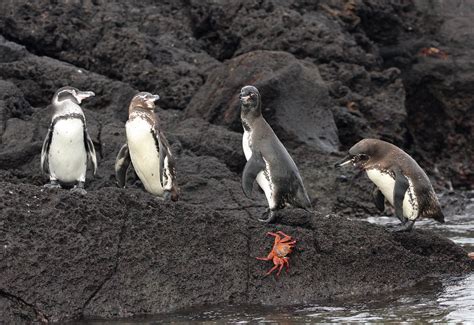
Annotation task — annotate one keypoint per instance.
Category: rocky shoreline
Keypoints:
(120, 253)
(330, 74)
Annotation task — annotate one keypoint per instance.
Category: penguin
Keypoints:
(398, 179)
(267, 160)
(147, 150)
(68, 146)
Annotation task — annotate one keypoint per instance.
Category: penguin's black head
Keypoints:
(70, 93)
(250, 100)
(363, 153)
(144, 100)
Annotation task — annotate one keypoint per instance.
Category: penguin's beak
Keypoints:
(244, 99)
(344, 161)
(81, 95)
(150, 100)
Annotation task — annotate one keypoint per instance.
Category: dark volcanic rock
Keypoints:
(298, 28)
(369, 101)
(12, 104)
(28, 73)
(445, 142)
(295, 99)
(147, 44)
(330, 72)
(371, 104)
(440, 113)
(205, 139)
(116, 253)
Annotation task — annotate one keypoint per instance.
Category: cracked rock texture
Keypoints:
(330, 72)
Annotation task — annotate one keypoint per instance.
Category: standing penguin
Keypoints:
(67, 145)
(398, 178)
(147, 149)
(267, 159)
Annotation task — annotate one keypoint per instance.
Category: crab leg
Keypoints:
(271, 270)
(291, 243)
(286, 261)
(281, 267)
(268, 258)
(285, 236)
(272, 234)
(277, 237)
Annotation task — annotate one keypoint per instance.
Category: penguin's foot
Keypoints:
(406, 227)
(268, 216)
(167, 196)
(52, 184)
(402, 219)
(79, 188)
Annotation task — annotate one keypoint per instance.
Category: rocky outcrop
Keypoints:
(330, 73)
(439, 106)
(295, 99)
(144, 44)
(121, 252)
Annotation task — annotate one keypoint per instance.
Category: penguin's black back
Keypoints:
(284, 171)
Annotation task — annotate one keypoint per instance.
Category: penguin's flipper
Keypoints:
(167, 165)
(379, 199)
(45, 151)
(401, 186)
(90, 150)
(254, 166)
(122, 162)
(163, 152)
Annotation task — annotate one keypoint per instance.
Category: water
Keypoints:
(452, 300)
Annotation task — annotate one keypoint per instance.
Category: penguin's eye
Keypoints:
(361, 158)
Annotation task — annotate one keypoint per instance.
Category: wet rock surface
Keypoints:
(330, 74)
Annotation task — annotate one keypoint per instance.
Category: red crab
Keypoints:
(281, 248)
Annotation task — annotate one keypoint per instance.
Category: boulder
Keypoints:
(295, 99)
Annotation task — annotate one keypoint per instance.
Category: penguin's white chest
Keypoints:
(386, 185)
(264, 179)
(144, 154)
(67, 152)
